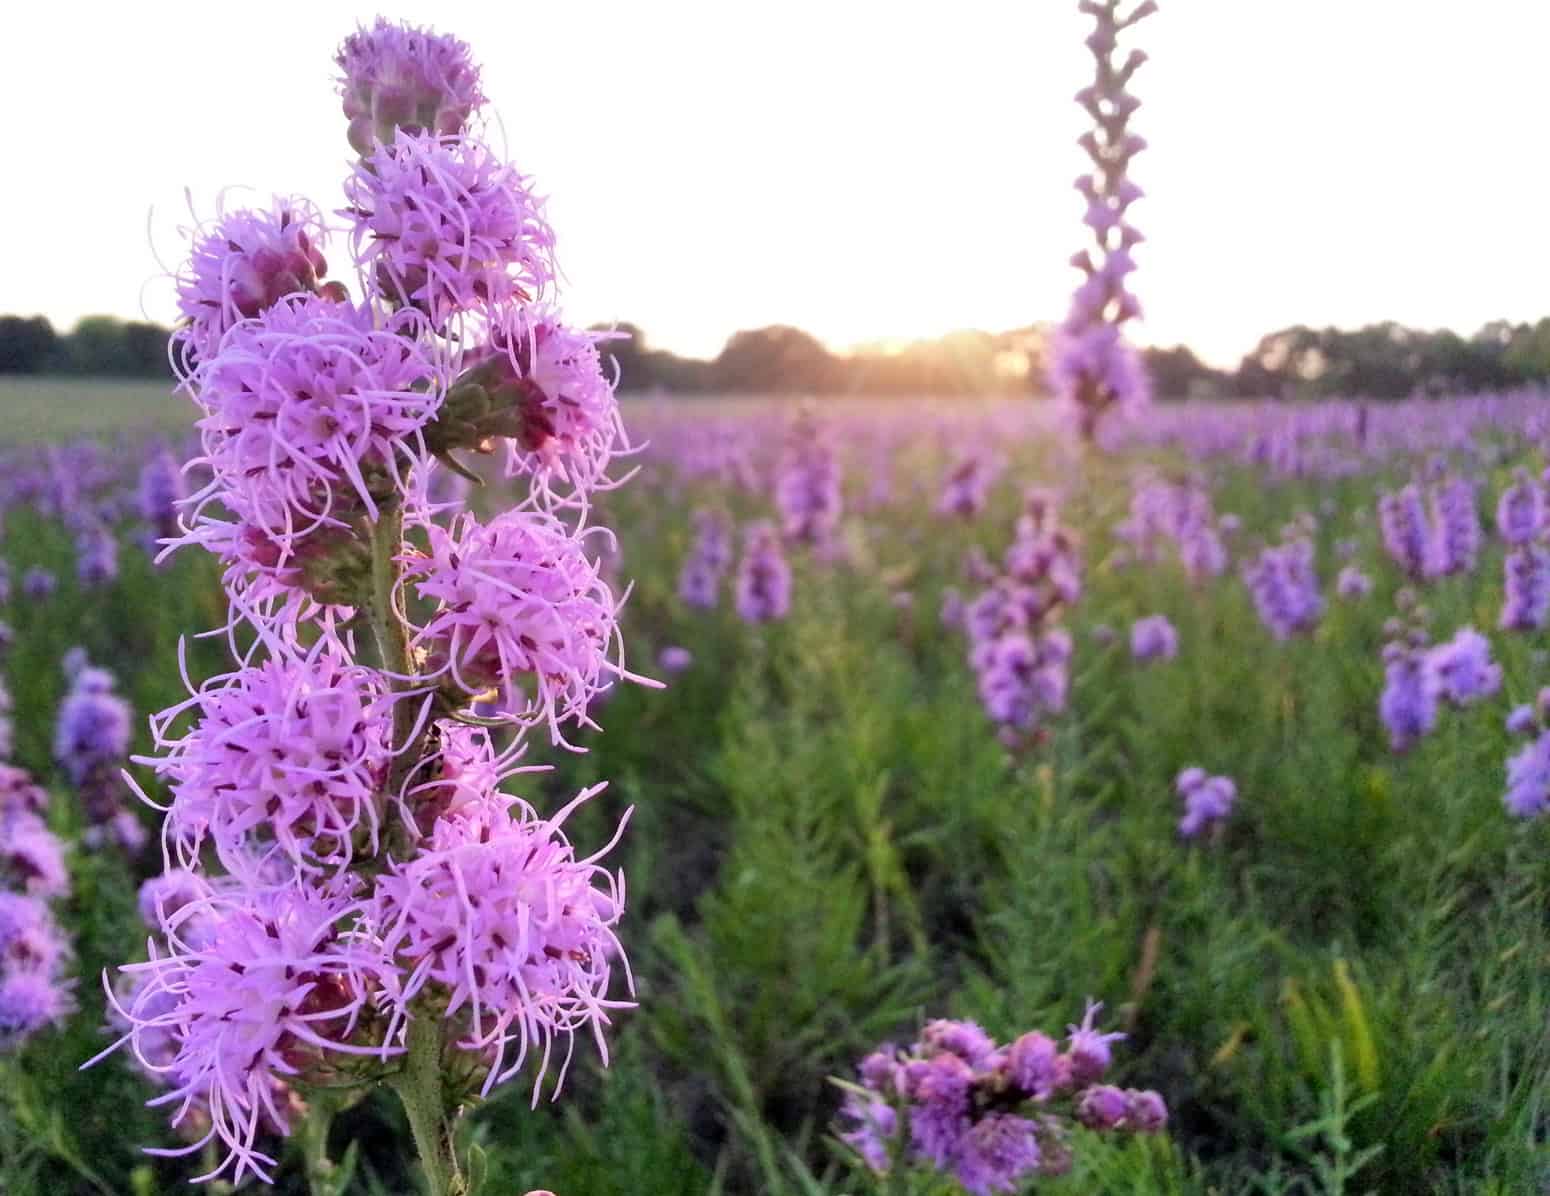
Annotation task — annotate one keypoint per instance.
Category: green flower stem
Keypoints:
(419, 1082)
(321, 1171)
(419, 1086)
(392, 638)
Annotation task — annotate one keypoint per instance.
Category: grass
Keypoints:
(41, 410)
(1347, 993)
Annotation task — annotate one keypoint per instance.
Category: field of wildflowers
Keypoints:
(1281, 824)
(425, 772)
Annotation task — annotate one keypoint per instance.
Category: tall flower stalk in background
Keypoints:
(386, 914)
(1092, 370)
(1020, 654)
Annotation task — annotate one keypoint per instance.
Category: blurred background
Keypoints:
(855, 199)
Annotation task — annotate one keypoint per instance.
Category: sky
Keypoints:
(868, 171)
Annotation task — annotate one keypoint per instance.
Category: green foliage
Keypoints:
(1346, 992)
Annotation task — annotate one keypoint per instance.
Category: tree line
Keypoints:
(1380, 361)
(98, 346)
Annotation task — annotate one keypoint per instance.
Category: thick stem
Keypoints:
(387, 625)
(314, 1144)
(419, 1087)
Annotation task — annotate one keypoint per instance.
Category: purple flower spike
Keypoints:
(1520, 512)
(1526, 588)
(1092, 370)
(30, 1001)
(763, 577)
(1285, 586)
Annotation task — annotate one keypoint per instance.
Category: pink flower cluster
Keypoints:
(991, 1116)
(1208, 800)
(377, 888)
(34, 993)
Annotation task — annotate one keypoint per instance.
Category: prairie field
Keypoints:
(36, 411)
(1340, 987)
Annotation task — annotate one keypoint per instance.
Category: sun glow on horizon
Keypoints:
(868, 173)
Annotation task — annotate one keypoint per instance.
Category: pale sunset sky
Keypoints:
(864, 170)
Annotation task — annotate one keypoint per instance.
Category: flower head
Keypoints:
(30, 1001)
(242, 266)
(280, 989)
(674, 658)
(92, 732)
(873, 1125)
(161, 489)
(286, 760)
(1463, 668)
(1088, 1048)
(997, 1154)
(1031, 1064)
(1526, 588)
(442, 225)
(1528, 779)
(1406, 529)
(1408, 704)
(939, 1090)
(398, 76)
(1352, 583)
(1455, 521)
(540, 387)
(521, 609)
(1153, 638)
(1285, 588)
(1207, 800)
(807, 485)
(30, 939)
(19, 793)
(964, 1039)
(1520, 512)
(31, 858)
(308, 402)
(509, 933)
